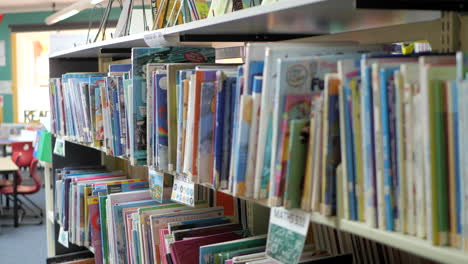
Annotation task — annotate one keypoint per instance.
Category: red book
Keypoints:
(188, 251)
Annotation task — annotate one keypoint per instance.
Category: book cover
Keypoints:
(241, 147)
(207, 253)
(331, 147)
(206, 132)
(201, 76)
(295, 168)
(251, 156)
(182, 97)
(188, 251)
(161, 126)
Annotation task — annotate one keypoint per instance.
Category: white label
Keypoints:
(59, 148)
(183, 192)
(156, 39)
(295, 220)
(5, 86)
(63, 237)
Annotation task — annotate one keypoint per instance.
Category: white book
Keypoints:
(253, 137)
(410, 78)
(378, 147)
(317, 161)
(188, 154)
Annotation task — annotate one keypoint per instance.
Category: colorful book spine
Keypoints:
(350, 152)
(161, 129)
(235, 123)
(122, 111)
(206, 131)
(357, 137)
(378, 154)
(368, 145)
(456, 145)
(93, 203)
(242, 148)
(201, 77)
(385, 86)
(251, 158)
(331, 147)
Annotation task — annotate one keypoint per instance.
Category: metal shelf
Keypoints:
(281, 20)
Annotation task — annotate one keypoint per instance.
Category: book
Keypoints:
(161, 143)
(206, 132)
(188, 251)
(331, 147)
(298, 140)
(207, 253)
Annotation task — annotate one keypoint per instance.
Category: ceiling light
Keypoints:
(70, 10)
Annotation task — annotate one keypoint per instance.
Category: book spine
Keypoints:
(368, 146)
(349, 149)
(386, 149)
(356, 111)
(451, 173)
(457, 161)
(378, 147)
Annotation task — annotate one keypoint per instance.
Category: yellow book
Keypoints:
(356, 97)
(307, 191)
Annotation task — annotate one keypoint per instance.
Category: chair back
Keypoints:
(22, 153)
(35, 174)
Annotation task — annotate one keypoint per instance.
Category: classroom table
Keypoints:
(8, 167)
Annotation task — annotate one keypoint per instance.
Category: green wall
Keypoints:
(31, 18)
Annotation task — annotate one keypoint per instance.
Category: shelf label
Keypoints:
(286, 234)
(183, 192)
(156, 183)
(157, 39)
(63, 237)
(59, 148)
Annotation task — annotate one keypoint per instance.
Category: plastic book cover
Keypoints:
(201, 76)
(251, 156)
(161, 129)
(456, 238)
(236, 100)
(150, 109)
(298, 106)
(208, 253)
(114, 116)
(203, 222)
(141, 57)
(108, 144)
(242, 146)
(182, 104)
(122, 113)
(253, 69)
(367, 118)
(331, 146)
(297, 153)
(189, 131)
(206, 231)
(120, 67)
(206, 131)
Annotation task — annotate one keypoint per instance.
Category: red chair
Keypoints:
(24, 190)
(23, 149)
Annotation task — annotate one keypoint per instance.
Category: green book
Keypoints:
(298, 142)
(104, 240)
(439, 162)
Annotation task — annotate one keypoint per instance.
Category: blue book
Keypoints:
(242, 146)
(120, 67)
(350, 148)
(205, 131)
(255, 69)
(219, 128)
(161, 129)
(235, 104)
(368, 139)
(386, 77)
(458, 180)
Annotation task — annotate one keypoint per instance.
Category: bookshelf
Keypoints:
(292, 21)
